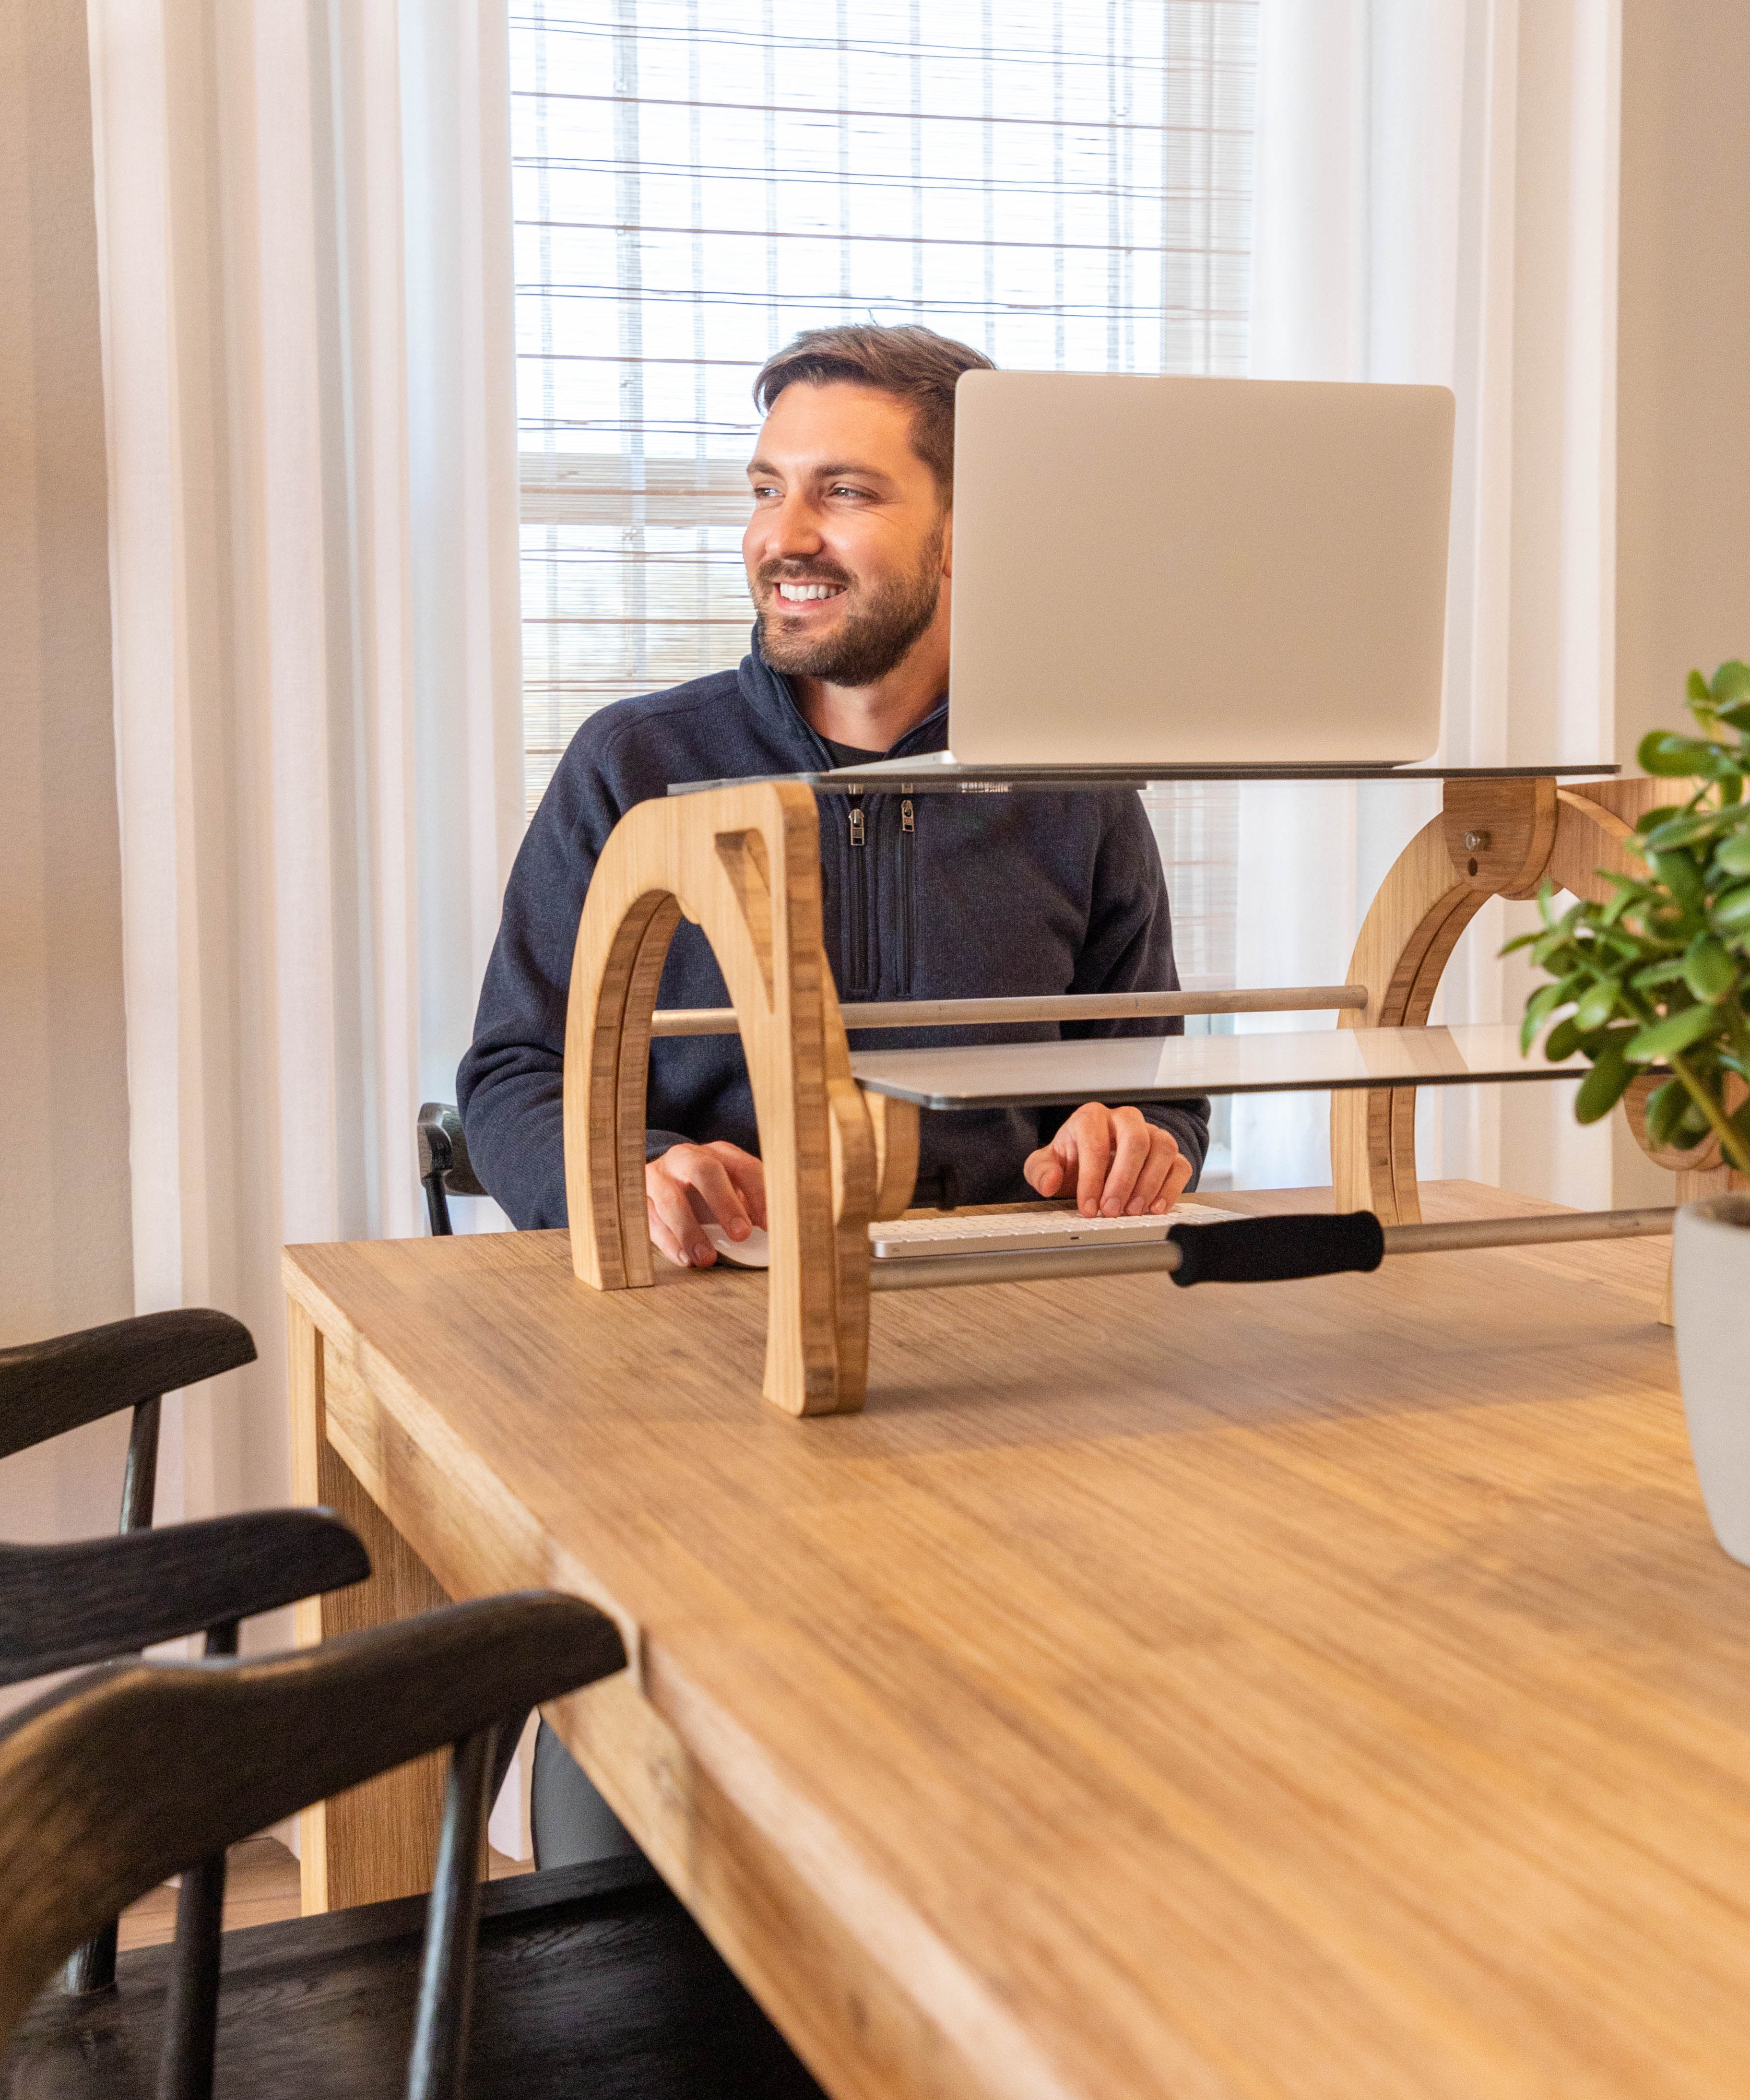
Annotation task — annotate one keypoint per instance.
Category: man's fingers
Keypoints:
(1042, 1172)
(1130, 1156)
(1089, 1134)
(1178, 1180)
(748, 1174)
(706, 1174)
(673, 1227)
(1150, 1192)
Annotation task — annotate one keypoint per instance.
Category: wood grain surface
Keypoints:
(743, 864)
(1504, 837)
(1327, 1688)
(379, 1840)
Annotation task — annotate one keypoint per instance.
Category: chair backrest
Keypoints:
(445, 1169)
(49, 1386)
(61, 1606)
(137, 1771)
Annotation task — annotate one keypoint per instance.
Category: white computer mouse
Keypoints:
(753, 1252)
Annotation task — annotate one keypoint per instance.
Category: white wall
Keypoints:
(1683, 396)
(65, 1257)
(1683, 443)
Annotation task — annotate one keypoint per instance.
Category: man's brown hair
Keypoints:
(914, 363)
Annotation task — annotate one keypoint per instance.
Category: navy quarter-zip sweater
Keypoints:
(926, 897)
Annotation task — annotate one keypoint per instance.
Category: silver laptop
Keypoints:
(1197, 571)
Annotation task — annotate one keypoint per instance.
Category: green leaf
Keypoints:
(1738, 714)
(1603, 1086)
(1650, 820)
(1731, 912)
(1732, 855)
(1683, 831)
(1597, 1006)
(1709, 970)
(1698, 689)
(1562, 1041)
(1668, 971)
(1682, 877)
(1675, 1032)
(1694, 1127)
(1673, 756)
(1538, 1008)
(1664, 1112)
(1731, 681)
(1523, 941)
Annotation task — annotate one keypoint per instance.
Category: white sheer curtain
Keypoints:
(304, 226)
(1435, 200)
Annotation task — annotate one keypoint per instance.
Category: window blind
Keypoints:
(1062, 183)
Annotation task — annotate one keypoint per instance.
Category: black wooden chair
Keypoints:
(445, 1169)
(49, 1388)
(593, 1979)
(61, 1606)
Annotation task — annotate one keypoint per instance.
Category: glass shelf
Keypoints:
(936, 773)
(1176, 1067)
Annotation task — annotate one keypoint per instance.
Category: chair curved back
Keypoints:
(49, 1386)
(445, 1170)
(63, 1606)
(135, 1771)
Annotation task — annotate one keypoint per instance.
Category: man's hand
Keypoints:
(691, 1183)
(1117, 1164)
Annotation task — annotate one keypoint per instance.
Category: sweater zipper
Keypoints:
(908, 828)
(858, 902)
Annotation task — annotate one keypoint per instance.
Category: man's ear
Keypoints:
(948, 542)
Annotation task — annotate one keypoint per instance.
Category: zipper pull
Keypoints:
(906, 822)
(857, 827)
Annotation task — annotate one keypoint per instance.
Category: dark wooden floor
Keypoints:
(591, 1981)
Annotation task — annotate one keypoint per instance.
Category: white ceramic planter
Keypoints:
(1710, 1278)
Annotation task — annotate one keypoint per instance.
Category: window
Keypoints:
(1063, 183)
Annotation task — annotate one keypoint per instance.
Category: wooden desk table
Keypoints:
(1329, 1688)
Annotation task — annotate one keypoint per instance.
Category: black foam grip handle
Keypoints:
(1273, 1250)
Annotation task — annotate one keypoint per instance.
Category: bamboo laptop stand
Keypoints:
(741, 860)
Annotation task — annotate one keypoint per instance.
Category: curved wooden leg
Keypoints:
(1411, 929)
(1493, 838)
(742, 863)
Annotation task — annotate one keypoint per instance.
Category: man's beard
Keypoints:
(869, 641)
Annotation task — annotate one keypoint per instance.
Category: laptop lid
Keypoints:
(1197, 571)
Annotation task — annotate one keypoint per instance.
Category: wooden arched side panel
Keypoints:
(743, 864)
(1422, 906)
(607, 1050)
(1589, 838)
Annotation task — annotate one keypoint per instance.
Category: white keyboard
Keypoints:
(1007, 1232)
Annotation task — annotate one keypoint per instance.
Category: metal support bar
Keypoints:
(1027, 1265)
(1050, 1264)
(1528, 1231)
(1092, 1006)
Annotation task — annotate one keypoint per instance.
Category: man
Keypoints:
(849, 558)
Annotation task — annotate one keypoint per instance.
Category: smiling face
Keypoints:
(848, 549)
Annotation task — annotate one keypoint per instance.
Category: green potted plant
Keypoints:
(1658, 980)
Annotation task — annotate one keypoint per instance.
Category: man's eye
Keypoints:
(845, 488)
(761, 489)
